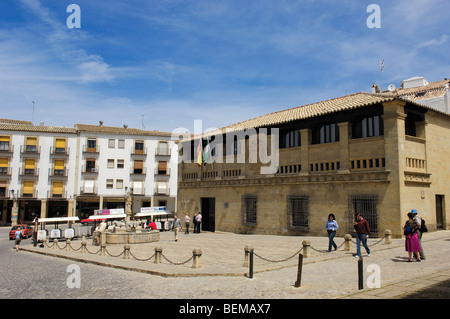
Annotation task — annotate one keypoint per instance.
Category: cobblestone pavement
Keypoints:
(324, 275)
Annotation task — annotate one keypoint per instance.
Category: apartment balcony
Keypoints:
(84, 190)
(58, 174)
(29, 173)
(30, 150)
(91, 150)
(89, 170)
(164, 191)
(159, 172)
(59, 152)
(138, 152)
(138, 171)
(5, 172)
(6, 150)
(52, 195)
(163, 151)
(28, 195)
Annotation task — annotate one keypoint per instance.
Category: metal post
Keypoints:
(298, 283)
(250, 272)
(360, 273)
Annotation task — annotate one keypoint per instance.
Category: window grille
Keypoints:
(366, 205)
(249, 209)
(298, 211)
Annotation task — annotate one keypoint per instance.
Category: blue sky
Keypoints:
(163, 64)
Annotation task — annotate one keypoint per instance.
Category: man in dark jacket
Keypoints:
(362, 233)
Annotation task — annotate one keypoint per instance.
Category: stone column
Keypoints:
(344, 135)
(304, 153)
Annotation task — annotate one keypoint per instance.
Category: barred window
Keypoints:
(366, 205)
(249, 205)
(298, 211)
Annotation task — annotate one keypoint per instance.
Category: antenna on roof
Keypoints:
(382, 64)
(32, 117)
(143, 126)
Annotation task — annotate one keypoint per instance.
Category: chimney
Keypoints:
(125, 126)
(101, 123)
(375, 88)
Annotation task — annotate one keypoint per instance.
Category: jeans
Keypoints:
(331, 234)
(361, 238)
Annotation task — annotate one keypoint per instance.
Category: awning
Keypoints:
(158, 213)
(97, 217)
(58, 219)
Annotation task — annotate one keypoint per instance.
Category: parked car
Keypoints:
(27, 231)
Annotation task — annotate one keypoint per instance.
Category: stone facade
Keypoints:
(384, 174)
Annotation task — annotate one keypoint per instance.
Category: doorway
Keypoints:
(440, 208)
(208, 214)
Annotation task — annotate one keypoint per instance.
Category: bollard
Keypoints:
(306, 248)
(197, 258)
(102, 249)
(126, 251)
(55, 243)
(360, 273)
(158, 253)
(83, 246)
(388, 237)
(348, 242)
(298, 283)
(250, 270)
(247, 250)
(67, 244)
(47, 241)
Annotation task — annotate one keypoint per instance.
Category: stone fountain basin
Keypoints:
(128, 237)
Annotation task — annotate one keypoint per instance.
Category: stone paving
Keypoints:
(325, 275)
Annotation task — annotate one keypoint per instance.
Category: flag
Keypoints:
(199, 153)
(206, 153)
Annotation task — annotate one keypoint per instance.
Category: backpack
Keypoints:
(423, 227)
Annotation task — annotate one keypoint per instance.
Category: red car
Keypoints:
(85, 222)
(27, 231)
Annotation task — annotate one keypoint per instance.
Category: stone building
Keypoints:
(376, 154)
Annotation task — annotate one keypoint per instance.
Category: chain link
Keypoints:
(174, 263)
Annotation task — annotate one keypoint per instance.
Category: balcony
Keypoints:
(95, 150)
(58, 173)
(89, 169)
(160, 172)
(138, 171)
(139, 151)
(59, 152)
(163, 152)
(86, 190)
(6, 149)
(30, 150)
(165, 191)
(31, 173)
(5, 172)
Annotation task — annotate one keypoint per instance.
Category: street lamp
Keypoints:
(15, 209)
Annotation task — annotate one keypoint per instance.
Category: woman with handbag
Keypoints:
(411, 239)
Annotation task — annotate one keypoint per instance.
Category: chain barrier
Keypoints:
(278, 261)
(316, 250)
(115, 255)
(174, 263)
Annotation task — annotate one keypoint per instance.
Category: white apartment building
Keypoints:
(49, 171)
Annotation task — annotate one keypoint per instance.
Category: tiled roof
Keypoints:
(36, 128)
(347, 102)
(9, 121)
(118, 130)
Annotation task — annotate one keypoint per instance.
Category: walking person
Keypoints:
(187, 220)
(411, 239)
(176, 226)
(18, 235)
(362, 233)
(331, 227)
(419, 222)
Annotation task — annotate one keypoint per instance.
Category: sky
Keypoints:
(163, 64)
